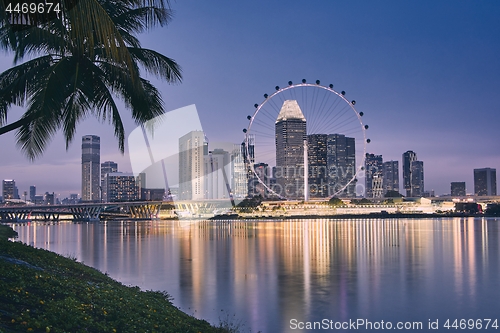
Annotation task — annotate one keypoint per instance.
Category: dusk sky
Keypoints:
(425, 74)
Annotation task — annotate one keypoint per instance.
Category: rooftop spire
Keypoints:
(290, 110)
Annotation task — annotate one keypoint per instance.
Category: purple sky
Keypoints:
(426, 75)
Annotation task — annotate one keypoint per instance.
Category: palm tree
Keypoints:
(77, 63)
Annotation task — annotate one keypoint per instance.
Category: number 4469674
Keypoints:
(31, 7)
(471, 324)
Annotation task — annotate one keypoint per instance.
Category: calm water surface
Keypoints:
(270, 273)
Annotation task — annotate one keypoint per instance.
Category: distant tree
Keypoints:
(468, 207)
(364, 201)
(389, 201)
(335, 202)
(393, 194)
(493, 210)
(251, 202)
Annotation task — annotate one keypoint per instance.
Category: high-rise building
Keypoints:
(106, 167)
(91, 155)
(216, 175)
(8, 189)
(417, 179)
(239, 181)
(373, 176)
(390, 176)
(458, 189)
(191, 152)
(291, 135)
(32, 193)
(259, 186)
(485, 181)
(249, 160)
(318, 167)
(341, 165)
(408, 158)
(120, 187)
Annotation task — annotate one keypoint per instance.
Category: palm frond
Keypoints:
(157, 64)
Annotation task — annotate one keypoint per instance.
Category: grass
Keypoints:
(41, 291)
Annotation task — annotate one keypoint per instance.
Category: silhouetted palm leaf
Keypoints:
(86, 56)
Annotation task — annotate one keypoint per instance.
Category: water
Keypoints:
(274, 276)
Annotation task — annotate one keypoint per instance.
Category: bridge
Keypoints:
(82, 212)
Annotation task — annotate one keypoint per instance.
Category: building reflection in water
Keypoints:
(267, 273)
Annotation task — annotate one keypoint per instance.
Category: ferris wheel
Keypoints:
(334, 147)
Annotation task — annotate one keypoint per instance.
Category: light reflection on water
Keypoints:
(267, 273)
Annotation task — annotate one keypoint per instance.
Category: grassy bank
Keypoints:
(41, 291)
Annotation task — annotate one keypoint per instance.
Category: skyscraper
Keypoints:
(373, 176)
(417, 179)
(408, 158)
(317, 160)
(485, 181)
(8, 189)
(249, 160)
(32, 193)
(91, 155)
(191, 147)
(390, 176)
(239, 181)
(458, 189)
(120, 187)
(106, 167)
(216, 174)
(341, 165)
(290, 133)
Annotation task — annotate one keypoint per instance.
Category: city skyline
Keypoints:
(427, 83)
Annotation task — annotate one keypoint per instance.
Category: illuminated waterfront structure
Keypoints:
(485, 181)
(91, 154)
(290, 133)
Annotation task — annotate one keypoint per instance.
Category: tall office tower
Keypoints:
(417, 179)
(106, 167)
(317, 158)
(32, 193)
(121, 187)
(259, 185)
(91, 155)
(458, 189)
(8, 189)
(390, 176)
(239, 183)
(216, 175)
(191, 152)
(290, 133)
(249, 160)
(408, 158)
(485, 181)
(341, 165)
(373, 176)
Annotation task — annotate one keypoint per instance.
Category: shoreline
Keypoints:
(42, 291)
